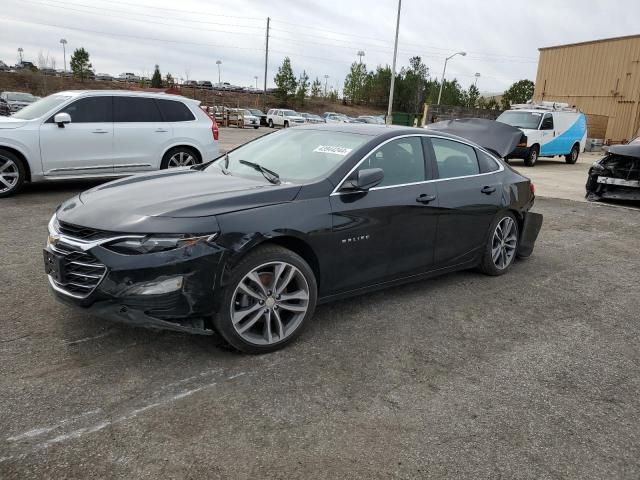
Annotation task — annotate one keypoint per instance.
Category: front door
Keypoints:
(389, 231)
(469, 196)
(140, 135)
(84, 146)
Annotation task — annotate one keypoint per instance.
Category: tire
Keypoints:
(12, 173)
(490, 264)
(573, 155)
(255, 127)
(286, 124)
(179, 157)
(532, 156)
(262, 313)
(270, 123)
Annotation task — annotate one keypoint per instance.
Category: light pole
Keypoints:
(477, 75)
(393, 68)
(256, 77)
(360, 54)
(445, 69)
(326, 77)
(64, 52)
(20, 50)
(219, 62)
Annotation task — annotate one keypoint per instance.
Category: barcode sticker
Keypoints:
(335, 150)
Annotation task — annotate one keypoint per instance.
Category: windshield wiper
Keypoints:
(270, 175)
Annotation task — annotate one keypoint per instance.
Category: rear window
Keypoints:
(135, 109)
(174, 111)
(454, 159)
(486, 162)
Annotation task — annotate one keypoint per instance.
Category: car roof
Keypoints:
(79, 93)
(374, 130)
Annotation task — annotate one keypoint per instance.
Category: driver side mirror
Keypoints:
(61, 119)
(365, 179)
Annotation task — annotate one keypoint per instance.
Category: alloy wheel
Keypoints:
(504, 242)
(181, 159)
(9, 174)
(269, 303)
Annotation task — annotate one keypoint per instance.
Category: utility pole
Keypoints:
(256, 77)
(326, 77)
(393, 68)
(444, 70)
(64, 52)
(20, 50)
(477, 75)
(266, 66)
(219, 62)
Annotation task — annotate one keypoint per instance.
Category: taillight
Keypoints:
(214, 129)
(532, 188)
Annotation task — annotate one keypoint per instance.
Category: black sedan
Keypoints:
(616, 176)
(249, 244)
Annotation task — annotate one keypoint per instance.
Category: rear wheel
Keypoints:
(573, 155)
(270, 296)
(12, 173)
(502, 245)
(286, 124)
(179, 157)
(532, 156)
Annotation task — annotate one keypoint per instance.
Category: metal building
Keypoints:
(601, 78)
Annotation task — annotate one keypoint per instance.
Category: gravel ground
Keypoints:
(535, 374)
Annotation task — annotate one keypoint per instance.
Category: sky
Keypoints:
(186, 38)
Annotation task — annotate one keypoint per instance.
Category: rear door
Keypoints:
(84, 146)
(140, 135)
(389, 231)
(469, 196)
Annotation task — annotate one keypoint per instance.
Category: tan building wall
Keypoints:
(600, 78)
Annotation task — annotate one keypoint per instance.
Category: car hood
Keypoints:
(10, 122)
(629, 150)
(144, 203)
(495, 136)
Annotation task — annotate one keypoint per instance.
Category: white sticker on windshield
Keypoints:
(536, 114)
(335, 150)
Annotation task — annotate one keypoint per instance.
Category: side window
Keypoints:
(487, 162)
(174, 111)
(89, 110)
(454, 159)
(132, 109)
(547, 122)
(401, 160)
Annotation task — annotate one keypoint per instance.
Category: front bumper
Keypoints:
(519, 152)
(187, 309)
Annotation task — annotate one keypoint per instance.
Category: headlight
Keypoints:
(158, 243)
(53, 225)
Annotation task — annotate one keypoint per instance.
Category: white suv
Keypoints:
(278, 117)
(106, 133)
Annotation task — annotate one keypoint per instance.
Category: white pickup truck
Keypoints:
(279, 117)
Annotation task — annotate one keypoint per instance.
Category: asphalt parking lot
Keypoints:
(535, 374)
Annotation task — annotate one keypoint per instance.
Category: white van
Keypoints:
(551, 129)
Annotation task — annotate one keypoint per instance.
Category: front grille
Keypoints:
(82, 233)
(83, 272)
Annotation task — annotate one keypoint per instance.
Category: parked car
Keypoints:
(251, 243)
(105, 77)
(280, 117)
(5, 111)
(4, 67)
(551, 129)
(24, 65)
(258, 113)
(312, 118)
(331, 117)
(375, 120)
(103, 133)
(18, 100)
(250, 120)
(48, 71)
(206, 84)
(128, 77)
(616, 176)
(63, 73)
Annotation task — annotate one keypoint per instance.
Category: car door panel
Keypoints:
(84, 146)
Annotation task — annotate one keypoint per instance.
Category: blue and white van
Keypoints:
(551, 129)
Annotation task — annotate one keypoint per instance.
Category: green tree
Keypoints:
(316, 88)
(80, 65)
(169, 80)
(471, 96)
(285, 81)
(412, 86)
(520, 92)
(303, 87)
(354, 83)
(482, 102)
(492, 104)
(452, 93)
(156, 79)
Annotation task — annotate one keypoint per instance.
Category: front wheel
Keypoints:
(573, 155)
(179, 157)
(270, 123)
(269, 297)
(12, 173)
(532, 156)
(502, 245)
(286, 124)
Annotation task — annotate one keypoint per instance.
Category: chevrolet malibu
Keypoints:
(247, 245)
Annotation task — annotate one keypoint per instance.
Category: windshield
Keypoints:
(256, 112)
(41, 107)
(20, 97)
(289, 113)
(295, 155)
(520, 119)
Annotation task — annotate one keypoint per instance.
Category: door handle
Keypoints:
(161, 130)
(425, 198)
(488, 190)
(100, 131)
